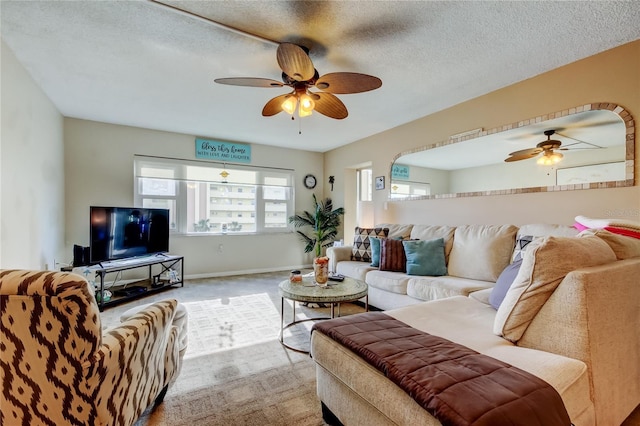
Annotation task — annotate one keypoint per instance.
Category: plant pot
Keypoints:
(321, 270)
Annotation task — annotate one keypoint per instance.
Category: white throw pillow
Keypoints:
(481, 252)
(545, 264)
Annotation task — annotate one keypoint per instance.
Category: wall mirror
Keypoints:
(591, 146)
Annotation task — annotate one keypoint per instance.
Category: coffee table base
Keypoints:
(283, 327)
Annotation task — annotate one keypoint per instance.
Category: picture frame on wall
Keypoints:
(379, 182)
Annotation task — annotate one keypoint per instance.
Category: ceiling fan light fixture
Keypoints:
(549, 158)
(306, 105)
(289, 105)
(299, 73)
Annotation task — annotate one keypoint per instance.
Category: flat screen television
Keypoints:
(123, 232)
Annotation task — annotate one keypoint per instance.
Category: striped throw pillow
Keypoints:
(392, 257)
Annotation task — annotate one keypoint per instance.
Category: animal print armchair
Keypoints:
(56, 365)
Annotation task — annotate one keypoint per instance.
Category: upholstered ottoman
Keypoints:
(180, 320)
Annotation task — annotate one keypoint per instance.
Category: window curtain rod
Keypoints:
(223, 163)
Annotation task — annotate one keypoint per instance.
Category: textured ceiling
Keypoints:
(136, 63)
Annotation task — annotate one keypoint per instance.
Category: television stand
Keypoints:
(164, 266)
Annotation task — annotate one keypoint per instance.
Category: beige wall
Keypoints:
(612, 76)
(99, 171)
(32, 175)
(528, 174)
(98, 168)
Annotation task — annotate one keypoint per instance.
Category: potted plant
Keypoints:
(324, 222)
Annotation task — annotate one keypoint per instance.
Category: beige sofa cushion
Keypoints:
(547, 230)
(394, 282)
(624, 247)
(432, 232)
(396, 230)
(545, 263)
(481, 296)
(432, 288)
(533, 231)
(481, 252)
(354, 269)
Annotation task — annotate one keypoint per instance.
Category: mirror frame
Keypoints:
(625, 115)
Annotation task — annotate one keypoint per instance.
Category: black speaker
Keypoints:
(81, 255)
(86, 255)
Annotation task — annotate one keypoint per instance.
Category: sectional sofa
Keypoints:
(570, 317)
(475, 255)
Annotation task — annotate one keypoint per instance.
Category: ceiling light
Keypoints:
(306, 105)
(549, 158)
(224, 173)
(290, 103)
(301, 101)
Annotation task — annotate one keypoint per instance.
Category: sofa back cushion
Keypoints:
(547, 230)
(481, 252)
(397, 231)
(545, 263)
(530, 232)
(432, 232)
(361, 250)
(624, 247)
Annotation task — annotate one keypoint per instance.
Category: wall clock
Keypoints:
(310, 181)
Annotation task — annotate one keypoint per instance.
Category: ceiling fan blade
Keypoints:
(519, 157)
(329, 105)
(249, 82)
(347, 82)
(295, 62)
(530, 151)
(578, 141)
(274, 105)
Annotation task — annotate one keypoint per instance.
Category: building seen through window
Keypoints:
(252, 200)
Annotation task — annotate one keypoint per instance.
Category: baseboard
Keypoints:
(245, 271)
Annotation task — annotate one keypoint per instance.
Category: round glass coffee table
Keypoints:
(334, 293)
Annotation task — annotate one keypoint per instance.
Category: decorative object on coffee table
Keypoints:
(321, 270)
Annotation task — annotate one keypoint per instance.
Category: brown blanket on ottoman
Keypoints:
(455, 384)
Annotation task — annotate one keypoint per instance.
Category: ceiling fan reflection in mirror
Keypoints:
(299, 73)
(548, 149)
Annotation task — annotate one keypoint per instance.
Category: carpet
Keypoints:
(262, 384)
(235, 370)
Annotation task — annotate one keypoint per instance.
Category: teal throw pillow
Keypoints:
(425, 257)
(375, 251)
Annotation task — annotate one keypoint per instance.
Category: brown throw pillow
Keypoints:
(392, 257)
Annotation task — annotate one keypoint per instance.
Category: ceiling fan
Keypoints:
(548, 149)
(299, 73)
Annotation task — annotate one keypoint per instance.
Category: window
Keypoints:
(250, 200)
(410, 189)
(365, 184)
